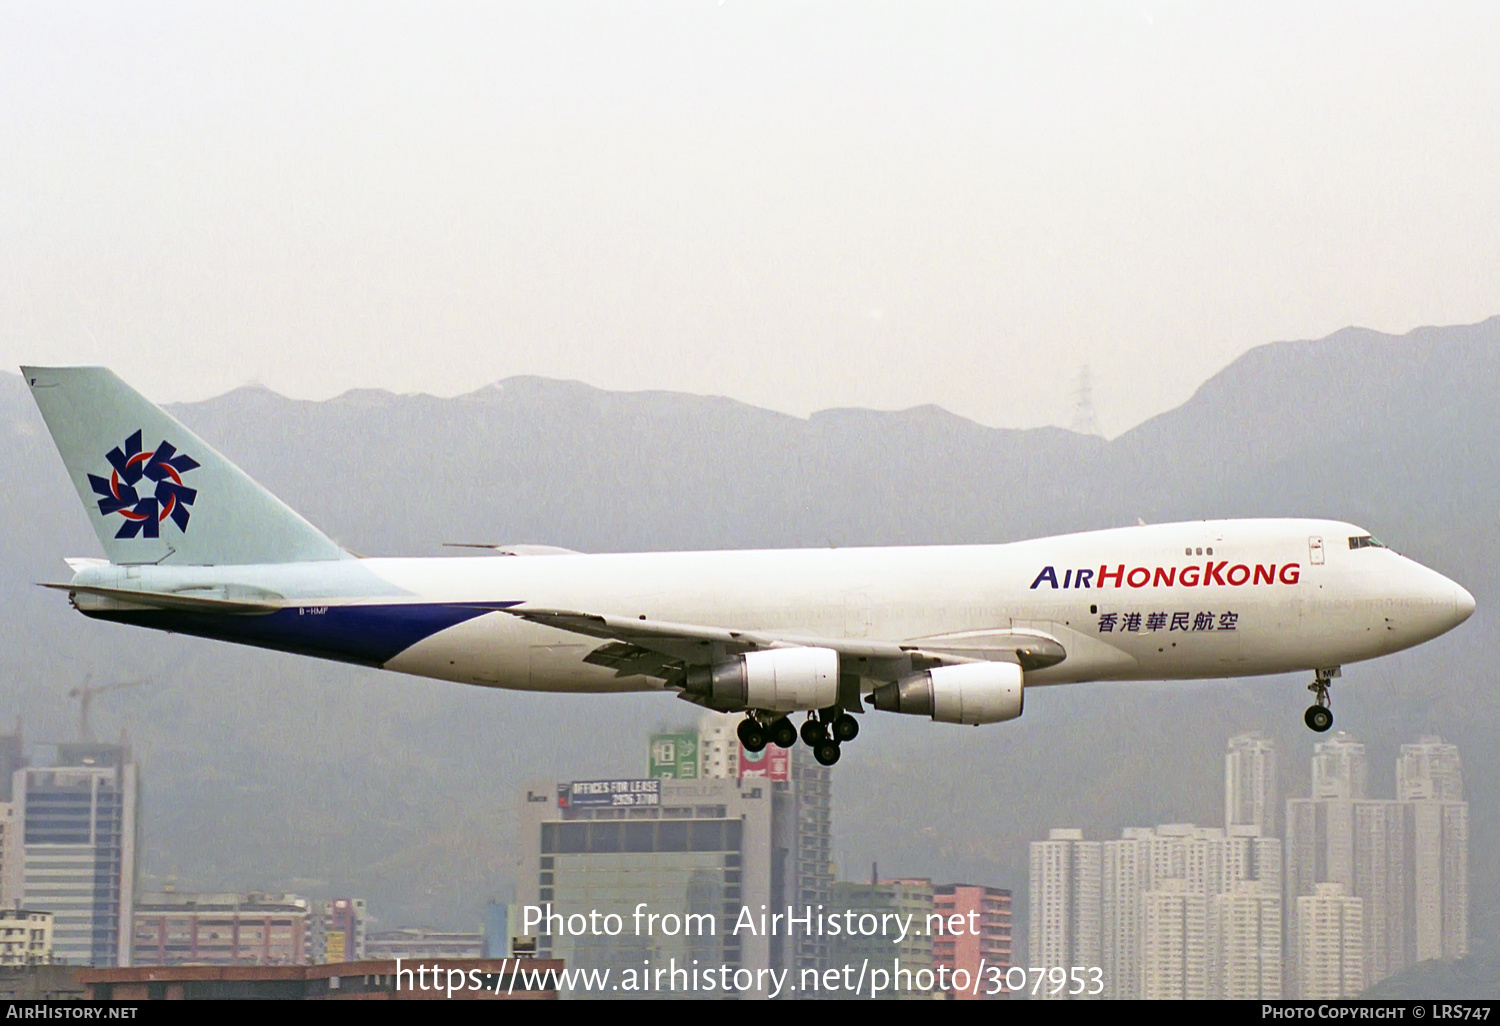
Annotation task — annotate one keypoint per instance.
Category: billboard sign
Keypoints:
(674, 756)
(770, 763)
(620, 793)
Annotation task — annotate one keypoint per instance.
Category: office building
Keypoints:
(181, 928)
(801, 810)
(988, 909)
(702, 849)
(1251, 786)
(78, 825)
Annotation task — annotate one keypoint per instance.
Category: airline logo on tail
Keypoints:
(162, 468)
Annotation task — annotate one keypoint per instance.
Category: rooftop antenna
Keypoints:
(1084, 421)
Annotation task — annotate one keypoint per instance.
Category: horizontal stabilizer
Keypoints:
(205, 602)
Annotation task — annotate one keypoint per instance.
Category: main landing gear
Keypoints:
(823, 732)
(1319, 716)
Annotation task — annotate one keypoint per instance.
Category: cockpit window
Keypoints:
(1365, 541)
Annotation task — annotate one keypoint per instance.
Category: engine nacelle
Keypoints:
(970, 693)
(776, 679)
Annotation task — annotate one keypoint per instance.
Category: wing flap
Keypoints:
(628, 660)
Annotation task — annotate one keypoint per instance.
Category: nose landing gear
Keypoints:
(1319, 716)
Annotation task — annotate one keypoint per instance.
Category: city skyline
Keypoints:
(1359, 889)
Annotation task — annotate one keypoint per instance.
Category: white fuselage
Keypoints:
(1134, 603)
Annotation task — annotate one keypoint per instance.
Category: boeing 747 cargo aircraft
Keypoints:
(955, 634)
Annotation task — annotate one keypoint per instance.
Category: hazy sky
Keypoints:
(800, 205)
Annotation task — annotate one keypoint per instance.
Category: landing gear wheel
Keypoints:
(813, 732)
(782, 733)
(1319, 716)
(845, 728)
(752, 736)
(826, 752)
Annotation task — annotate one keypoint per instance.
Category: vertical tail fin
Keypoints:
(154, 491)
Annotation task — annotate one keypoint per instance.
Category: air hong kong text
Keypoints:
(1195, 576)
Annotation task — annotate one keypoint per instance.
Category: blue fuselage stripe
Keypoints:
(370, 635)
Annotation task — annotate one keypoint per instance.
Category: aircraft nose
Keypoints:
(1463, 604)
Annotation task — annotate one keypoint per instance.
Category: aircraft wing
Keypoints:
(659, 648)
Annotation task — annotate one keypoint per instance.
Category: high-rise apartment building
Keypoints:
(1142, 907)
(1429, 770)
(1439, 896)
(78, 825)
(1245, 936)
(12, 758)
(25, 937)
(1174, 942)
(1252, 794)
(1338, 768)
(12, 861)
(1429, 781)
(1125, 878)
(1330, 954)
(802, 813)
(12, 868)
(1406, 860)
(989, 909)
(1065, 926)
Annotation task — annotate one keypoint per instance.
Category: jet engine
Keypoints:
(970, 693)
(775, 679)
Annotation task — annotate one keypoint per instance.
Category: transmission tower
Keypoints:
(1084, 421)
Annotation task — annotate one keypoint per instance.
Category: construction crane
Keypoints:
(85, 693)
